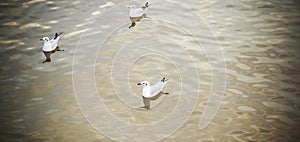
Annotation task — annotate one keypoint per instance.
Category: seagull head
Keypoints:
(143, 83)
(44, 39)
(132, 7)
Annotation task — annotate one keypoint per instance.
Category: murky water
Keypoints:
(182, 41)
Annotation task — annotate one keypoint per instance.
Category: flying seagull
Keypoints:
(50, 46)
(136, 14)
(153, 92)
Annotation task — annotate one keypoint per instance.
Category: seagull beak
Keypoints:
(41, 39)
(139, 84)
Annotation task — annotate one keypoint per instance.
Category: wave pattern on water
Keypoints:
(259, 39)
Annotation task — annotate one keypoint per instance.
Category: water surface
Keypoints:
(259, 41)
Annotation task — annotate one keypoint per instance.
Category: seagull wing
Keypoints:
(53, 43)
(157, 87)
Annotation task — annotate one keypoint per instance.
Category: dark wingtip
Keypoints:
(56, 35)
(147, 4)
(164, 79)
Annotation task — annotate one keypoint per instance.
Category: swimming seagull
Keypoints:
(50, 46)
(136, 14)
(153, 92)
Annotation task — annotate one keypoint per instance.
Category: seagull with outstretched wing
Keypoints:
(136, 14)
(50, 46)
(152, 92)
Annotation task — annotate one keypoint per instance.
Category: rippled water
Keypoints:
(179, 40)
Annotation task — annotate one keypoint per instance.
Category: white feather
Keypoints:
(50, 45)
(136, 12)
(151, 91)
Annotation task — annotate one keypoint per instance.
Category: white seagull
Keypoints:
(50, 46)
(152, 92)
(136, 14)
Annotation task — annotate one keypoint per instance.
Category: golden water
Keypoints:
(259, 40)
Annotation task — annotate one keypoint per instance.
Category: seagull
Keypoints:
(152, 92)
(50, 46)
(136, 14)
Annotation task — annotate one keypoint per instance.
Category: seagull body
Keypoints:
(50, 46)
(152, 92)
(136, 14)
